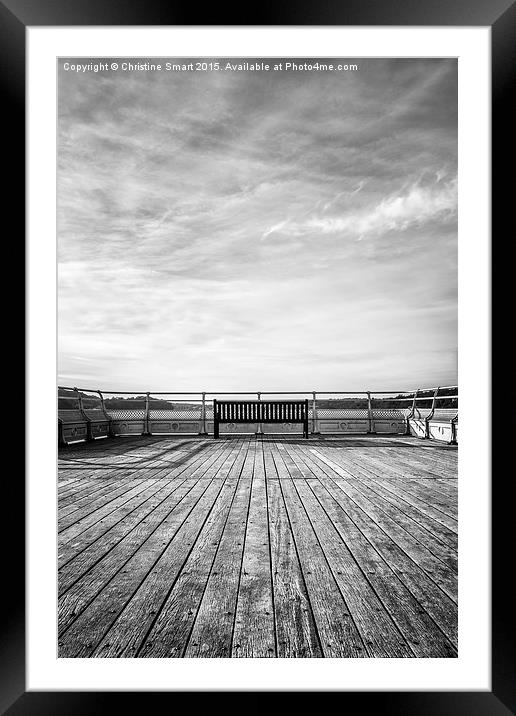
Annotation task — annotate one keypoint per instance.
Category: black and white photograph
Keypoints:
(258, 418)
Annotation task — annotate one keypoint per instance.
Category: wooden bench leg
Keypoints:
(215, 429)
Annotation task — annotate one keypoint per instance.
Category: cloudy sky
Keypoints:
(258, 230)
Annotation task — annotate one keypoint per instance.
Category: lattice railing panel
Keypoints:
(342, 413)
(116, 414)
(388, 414)
(176, 414)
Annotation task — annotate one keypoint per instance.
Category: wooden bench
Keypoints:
(81, 417)
(72, 426)
(260, 411)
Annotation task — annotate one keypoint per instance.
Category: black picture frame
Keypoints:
(500, 15)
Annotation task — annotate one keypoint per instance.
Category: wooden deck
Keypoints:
(258, 547)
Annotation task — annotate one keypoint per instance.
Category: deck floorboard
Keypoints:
(258, 546)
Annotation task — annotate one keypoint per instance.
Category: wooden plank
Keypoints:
(398, 466)
(181, 468)
(412, 459)
(296, 463)
(305, 454)
(164, 606)
(106, 598)
(85, 534)
(155, 533)
(355, 462)
(433, 488)
(445, 484)
(124, 461)
(270, 468)
(317, 470)
(149, 564)
(87, 467)
(69, 490)
(379, 632)
(338, 634)
(295, 626)
(100, 495)
(426, 639)
(76, 564)
(399, 513)
(103, 446)
(70, 528)
(292, 467)
(420, 460)
(195, 467)
(74, 456)
(336, 469)
(432, 452)
(442, 525)
(443, 575)
(280, 469)
(94, 478)
(432, 494)
(418, 581)
(254, 632)
(212, 630)
(396, 516)
(137, 624)
(89, 461)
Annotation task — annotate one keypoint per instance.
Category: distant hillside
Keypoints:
(68, 399)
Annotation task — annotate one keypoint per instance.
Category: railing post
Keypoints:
(259, 430)
(315, 426)
(370, 419)
(110, 430)
(203, 430)
(215, 419)
(412, 411)
(429, 417)
(89, 435)
(146, 427)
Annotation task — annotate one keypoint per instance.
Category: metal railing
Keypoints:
(85, 414)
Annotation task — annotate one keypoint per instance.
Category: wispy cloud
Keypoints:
(415, 206)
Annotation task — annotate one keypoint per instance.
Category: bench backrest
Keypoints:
(260, 411)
